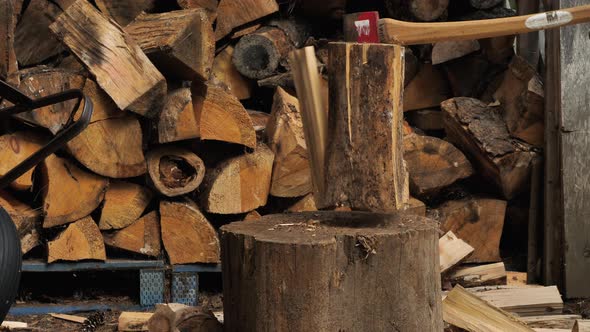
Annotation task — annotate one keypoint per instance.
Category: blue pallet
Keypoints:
(108, 265)
(185, 288)
(25, 310)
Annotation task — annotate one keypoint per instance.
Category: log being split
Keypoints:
(364, 166)
(331, 271)
(180, 43)
(120, 67)
(175, 171)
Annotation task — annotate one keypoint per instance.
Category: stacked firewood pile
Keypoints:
(196, 122)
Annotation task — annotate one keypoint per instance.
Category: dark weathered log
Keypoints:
(240, 184)
(428, 119)
(484, 4)
(8, 18)
(480, 132)
(328, 9)
(221, 116)
(124, 11)
(467, 76)
(142, 236)
(178, 120)
(449, 50)
(416, 10)
(365, 140)
(175, 171)
(81, 240)
(124, 203)
(232, 14)
(69, 193)
(522, 98)
(187, 235)
(477, 221)
(291, 176)
(433, 164)
(120, 67)
(180, 43)
(258, 55)
(331, 271)
(25, 218)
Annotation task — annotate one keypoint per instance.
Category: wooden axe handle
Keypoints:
(408, 33)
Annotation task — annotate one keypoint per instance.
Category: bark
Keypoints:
(175, 171)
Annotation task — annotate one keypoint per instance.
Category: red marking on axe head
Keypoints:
(362, 27)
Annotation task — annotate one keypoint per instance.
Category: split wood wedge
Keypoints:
(408, 33)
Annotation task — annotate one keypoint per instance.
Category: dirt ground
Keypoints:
(42, 323)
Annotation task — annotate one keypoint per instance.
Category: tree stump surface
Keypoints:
(332, 271)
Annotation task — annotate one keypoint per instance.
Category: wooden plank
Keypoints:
(70, 318)
(575, 140)
(471, 276)
(523, 301)
(452, 251)
(121, 68)
(462, 309)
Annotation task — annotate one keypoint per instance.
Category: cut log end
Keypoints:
(80, 241)
(123, 204)
(175, 171)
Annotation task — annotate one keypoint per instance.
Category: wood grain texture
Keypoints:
(120, 67)
(178, 120)
(8, 18)
(433, 164)
(15, 148)
(221, 116)
(133, 321)
(467, 311)
(187, 235)
(581, 326)
(452, 251)
(142, 236)
(575, 170)
(410, 33)
(477, 221)
(80, 241)
(523, 301)
(504, 161)
(224, 71)
(69, 193)
(364, 167)
(124, 203)
(309, 264)
(210, 7)
(180, 43)
(240, 184)
(25, 218)
(479, 275)
(232, 14)
(124, 11)
(291, 175)
(428, 89)
(552, 321)
(174, 171)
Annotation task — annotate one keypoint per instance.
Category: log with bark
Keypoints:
(8, 18)
(81, 240)
(480, 132)
(180, 43)
(142, 236)
(240, 184)
(522, 98)
(477, 221)
(224, 72)
(69, 193)
(110, 54)
(364, 167)
(187, 235)
(232, 14)
(221, 116)
(124, 203)
(433, 164)
(15, 148)
(25, 218)
(178, 120)
(124, 11)
(179, 317)
(311, 263)
(175, 171)
(291, 176)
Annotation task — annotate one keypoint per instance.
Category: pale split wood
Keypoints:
(187, 235)
(124, 203)
(69, 318)
(469, 312)
(178, 121)
(307, 203)
(81, 240)
(552, 321)
(120, 67)
(133, 321)
(581, 326)
(523, 301)
(480, 275)
(452, 251)
(142, 236)
(410, 33)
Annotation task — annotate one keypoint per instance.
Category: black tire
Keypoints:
(10, 263)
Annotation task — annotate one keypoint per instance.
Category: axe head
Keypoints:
(361, 27)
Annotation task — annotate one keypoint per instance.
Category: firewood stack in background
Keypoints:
(197, 123)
